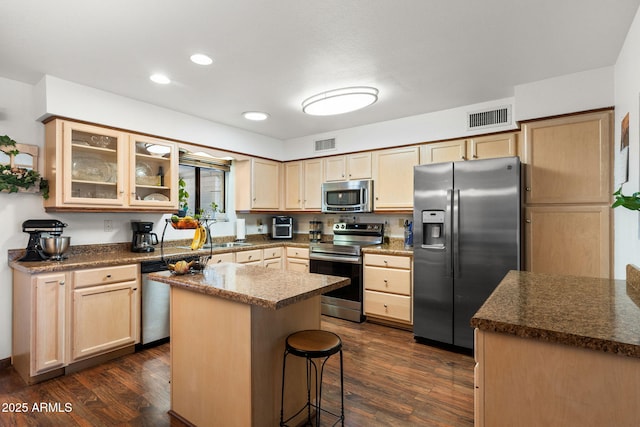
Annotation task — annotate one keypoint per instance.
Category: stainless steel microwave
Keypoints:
(347, 196)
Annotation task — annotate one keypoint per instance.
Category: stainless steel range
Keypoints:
(343, 257)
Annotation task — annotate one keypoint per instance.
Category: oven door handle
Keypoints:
(335, 258)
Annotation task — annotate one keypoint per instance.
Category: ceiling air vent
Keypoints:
(489, 118)
(325, 144)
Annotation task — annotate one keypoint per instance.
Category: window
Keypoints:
(204, 185)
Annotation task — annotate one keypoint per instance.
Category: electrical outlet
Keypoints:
(259, 222)
(108, 225)
(330, 223)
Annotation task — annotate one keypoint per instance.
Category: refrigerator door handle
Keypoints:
(448, 235)
(456, 233)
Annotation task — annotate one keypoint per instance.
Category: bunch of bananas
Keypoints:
(199, 237)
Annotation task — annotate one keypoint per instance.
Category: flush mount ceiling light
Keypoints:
(161, 79)
(255, 115)
(201, 59)
(340, 101)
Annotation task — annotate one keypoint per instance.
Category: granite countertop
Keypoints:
(254, 285)
(593, 313)
(92, 256)
(393, 246)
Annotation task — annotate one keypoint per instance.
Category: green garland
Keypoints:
(630, 202)
(12, 179)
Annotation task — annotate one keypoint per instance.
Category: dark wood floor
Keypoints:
(389, 381)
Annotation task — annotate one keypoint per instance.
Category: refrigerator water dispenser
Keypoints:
(433, 229)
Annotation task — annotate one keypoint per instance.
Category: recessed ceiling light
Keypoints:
(255, 115)
(160, 79)
(201, 59)
(340, 101)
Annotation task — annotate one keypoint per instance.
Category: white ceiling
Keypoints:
(423, 55)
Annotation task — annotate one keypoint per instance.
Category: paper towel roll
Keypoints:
(241, 231)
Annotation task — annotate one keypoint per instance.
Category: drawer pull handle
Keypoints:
(219, 261)
(386, 282)
(108, 276)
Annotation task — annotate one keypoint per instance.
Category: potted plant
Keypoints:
(183, 198)
(13, 178)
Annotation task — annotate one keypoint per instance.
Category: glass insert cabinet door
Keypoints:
(153, 173)
(93, 165)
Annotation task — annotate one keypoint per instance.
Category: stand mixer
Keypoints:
(36, 229)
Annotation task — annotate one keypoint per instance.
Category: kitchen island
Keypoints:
(227, 341)
(558, 350)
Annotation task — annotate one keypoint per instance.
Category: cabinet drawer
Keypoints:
(397, 307)
(275, 263)
(387, 280)
(249, 256)
(103, 276)
(272, 253)
(388, 261)
(220, 258)
(297, 252)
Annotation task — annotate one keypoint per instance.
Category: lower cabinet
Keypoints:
(63, 317)
(220, 258)
(297, 259)
(105, 313)
(272, 258)
(48, 327)
(388, 287)
(252, 257)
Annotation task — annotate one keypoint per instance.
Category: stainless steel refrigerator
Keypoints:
(466, 225)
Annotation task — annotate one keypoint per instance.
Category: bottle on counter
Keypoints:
(408, 235)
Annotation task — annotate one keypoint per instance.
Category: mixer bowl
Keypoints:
(55, 246)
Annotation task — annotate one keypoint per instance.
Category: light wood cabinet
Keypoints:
(573, 240)
(95, 168)
(297, 259)
(302, 185)
(568, 159)
(49, 322)
(220, 258)
(388, 287)
(348, 167)
(272, 258)
(252, 257)
(478, 147)
(529, 382)
(39, 325)
(567, 195)
(393, 178)
(257, 185)
(105, 310)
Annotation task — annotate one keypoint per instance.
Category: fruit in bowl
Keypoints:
(181, 267)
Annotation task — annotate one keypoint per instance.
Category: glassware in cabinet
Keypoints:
(154, 172)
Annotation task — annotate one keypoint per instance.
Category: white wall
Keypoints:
(16, 120)
(57, 97)
(627, 91)
(565, 94)
(408, 130)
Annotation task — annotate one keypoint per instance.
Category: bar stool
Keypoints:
(313, 344)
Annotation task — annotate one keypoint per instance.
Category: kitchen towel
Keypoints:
(241, 232)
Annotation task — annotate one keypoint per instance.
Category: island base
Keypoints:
(226, 359)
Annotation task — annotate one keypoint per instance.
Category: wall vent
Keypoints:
(489, 118)
(325, 144)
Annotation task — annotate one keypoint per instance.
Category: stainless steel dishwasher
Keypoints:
(154, 328)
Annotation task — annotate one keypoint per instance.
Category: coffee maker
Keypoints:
(38, 228)
(143, 238)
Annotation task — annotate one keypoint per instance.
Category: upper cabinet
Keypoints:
(257, 183)
(393, 178)
(303, 185)
(568, 159)
(348, 167)
(480, 147)
(96, 168)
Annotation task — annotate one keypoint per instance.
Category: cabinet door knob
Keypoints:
(528, 221)
(61, 282)
(462, 158)
(528, 188)
(108, 276)
(219, 261)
